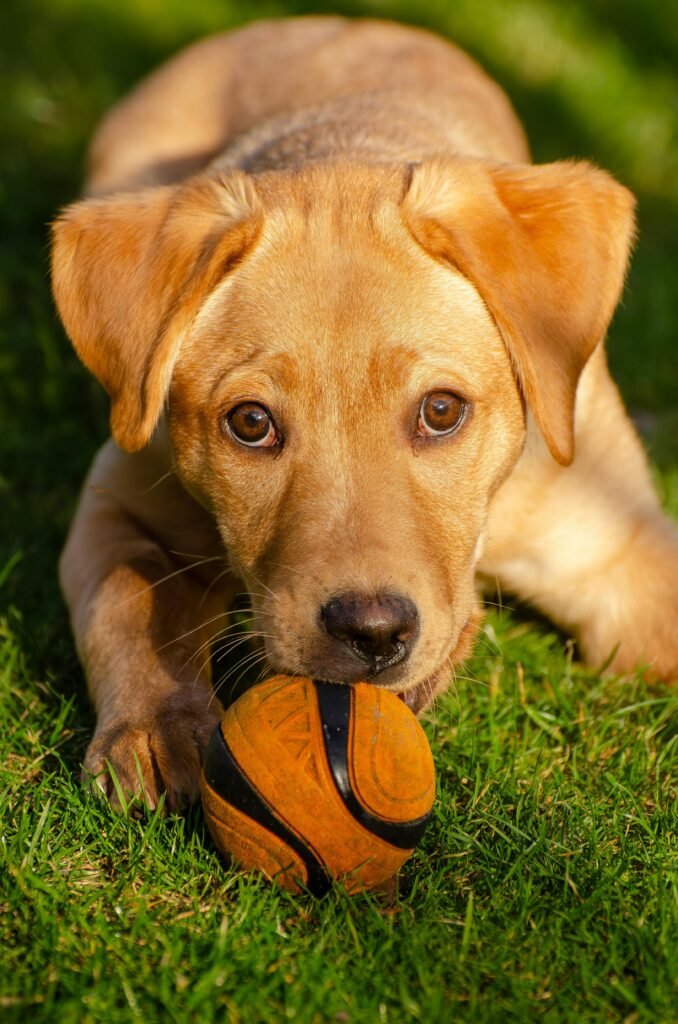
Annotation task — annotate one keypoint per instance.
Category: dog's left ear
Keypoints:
(547, 248)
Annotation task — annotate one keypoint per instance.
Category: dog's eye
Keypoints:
(441, 412)
(251, 424)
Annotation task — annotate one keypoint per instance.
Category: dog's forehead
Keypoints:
(344, 290)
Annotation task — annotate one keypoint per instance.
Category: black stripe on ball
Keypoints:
(335, 703)
(226, 777)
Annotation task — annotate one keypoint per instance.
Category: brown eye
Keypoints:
(252, 424)
(441, 412)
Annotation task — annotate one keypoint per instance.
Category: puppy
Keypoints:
(353, 342)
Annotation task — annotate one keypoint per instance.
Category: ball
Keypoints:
(308, 782)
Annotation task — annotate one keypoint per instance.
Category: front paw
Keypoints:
(161, 753)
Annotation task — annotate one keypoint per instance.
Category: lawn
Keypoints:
(547, 886)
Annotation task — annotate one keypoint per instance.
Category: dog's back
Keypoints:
(278, 93)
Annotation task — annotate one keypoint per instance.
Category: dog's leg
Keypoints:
(589, 544)
(142, 619)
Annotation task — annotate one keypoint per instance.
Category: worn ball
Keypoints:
(309, 782)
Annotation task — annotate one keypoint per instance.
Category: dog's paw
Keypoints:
(140, 760)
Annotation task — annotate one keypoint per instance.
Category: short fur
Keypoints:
(335, 218)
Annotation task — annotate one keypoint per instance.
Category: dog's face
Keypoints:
(345, 406)
(342, 398)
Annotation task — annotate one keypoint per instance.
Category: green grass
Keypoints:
(547, 886)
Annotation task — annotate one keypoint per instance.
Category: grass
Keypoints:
(547, 886)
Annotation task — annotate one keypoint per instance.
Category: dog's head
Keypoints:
(346, 354)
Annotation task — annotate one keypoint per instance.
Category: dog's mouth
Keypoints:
(419, 697)
(422, 695)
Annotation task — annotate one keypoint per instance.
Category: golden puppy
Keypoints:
(353, 344)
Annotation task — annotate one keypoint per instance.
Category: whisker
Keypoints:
(194, 554)
(171, 575)
(200, 671)
(170, 472)
(288, 568)
(249, 594)
(487, 643)
(475, 681)
(223, 651)
(262, 584)
(219, 576)
(252, 655)
(472, 679)
(245, 635)
(242, 637)
(453, 682)
(261, 675)
(236, 643)
(499, 604)
(246, 664)
(210, 640)
(227, 650)
(232, 641)
(262, 659)
(202, 625)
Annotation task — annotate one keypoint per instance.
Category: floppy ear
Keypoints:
(546, 248)
(130, 273)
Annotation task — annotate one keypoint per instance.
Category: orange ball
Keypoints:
(309, 781)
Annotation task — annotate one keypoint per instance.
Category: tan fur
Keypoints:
(547, 248)
(368, 230)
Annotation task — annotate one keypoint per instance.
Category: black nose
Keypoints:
(380, 628)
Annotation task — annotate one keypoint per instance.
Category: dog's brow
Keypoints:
(253, 354)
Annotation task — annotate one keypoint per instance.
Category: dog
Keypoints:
(353, 343)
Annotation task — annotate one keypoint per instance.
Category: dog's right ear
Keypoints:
(129, 275)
